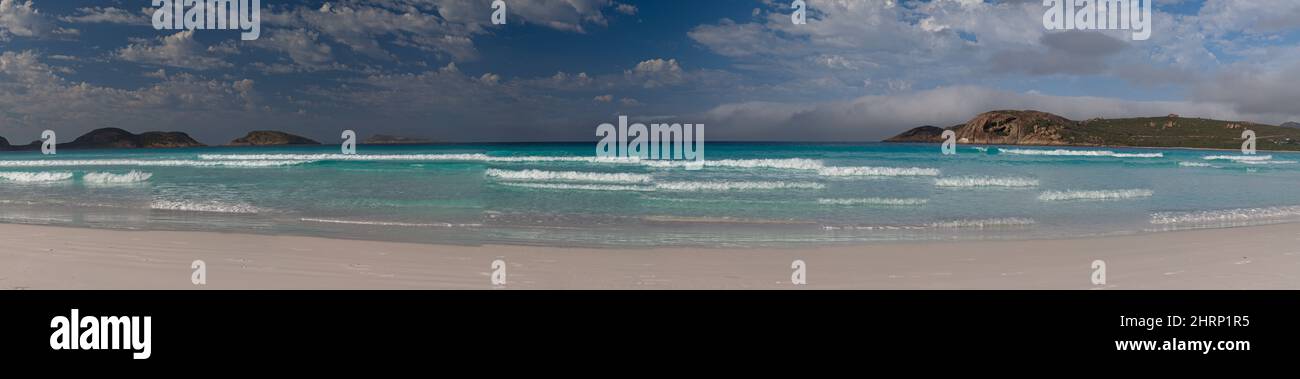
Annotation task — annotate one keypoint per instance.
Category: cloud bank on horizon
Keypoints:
(857, 70)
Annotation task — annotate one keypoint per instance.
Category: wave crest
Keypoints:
(1095, 195)
(877, 171)
(1079, 153)
(874, 201)
(111, 178)
(35, 177)
(572, 176)
(985, 181)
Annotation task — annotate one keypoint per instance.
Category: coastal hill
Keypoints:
(271, 138)
(383, 139)
(1027, 127)
(1291, 124)
(115, 138)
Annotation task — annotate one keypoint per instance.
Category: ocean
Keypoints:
(748, 194)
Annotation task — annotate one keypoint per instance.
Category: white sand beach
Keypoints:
(44, 257)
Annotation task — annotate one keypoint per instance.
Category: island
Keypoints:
(1030, 127)
(115, 138)
(271, 138)
(384, 139)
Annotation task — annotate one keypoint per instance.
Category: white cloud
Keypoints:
(176, 50)
(22, 19)
(108, 15)
(302, 46)
(35, 97)
(877, 117)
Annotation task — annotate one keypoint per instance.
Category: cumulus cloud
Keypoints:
(877, 117)
(35, 97)
(176, 50)
(302, 46)
(107, 15)
(22, 19)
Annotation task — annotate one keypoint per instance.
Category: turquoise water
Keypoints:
(560, 194)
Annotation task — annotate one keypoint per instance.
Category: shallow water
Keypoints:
(561, 194)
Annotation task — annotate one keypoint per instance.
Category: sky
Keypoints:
(858, 70)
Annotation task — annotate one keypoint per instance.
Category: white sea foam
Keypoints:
(1194, 164)
(207, 207)
(573, 176)
(469, 157)
(35, 177)
(579, 187)
(1267, 162)
(983, 223)
(1225, 215)
(390, 223)
(877, 171)
(736, 186)
(985, 181)
(146, 162)
(874, 201)
(1095, 195)
(1079, 153)
(785, 164)
(111, 178)
(1238, 158)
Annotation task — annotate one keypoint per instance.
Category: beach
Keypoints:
(50, 257)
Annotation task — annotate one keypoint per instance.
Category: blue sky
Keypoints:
(858, 70)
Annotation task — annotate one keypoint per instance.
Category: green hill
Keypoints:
(1040, 128)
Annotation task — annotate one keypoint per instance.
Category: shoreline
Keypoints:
(52, 257)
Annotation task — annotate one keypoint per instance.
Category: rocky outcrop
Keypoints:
(931, 134)
(271, 138)
(999, 128)
(383, 139)
(117, 138)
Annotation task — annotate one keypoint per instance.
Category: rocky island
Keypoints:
(115, 138)
(1028, 127)
(271, 138)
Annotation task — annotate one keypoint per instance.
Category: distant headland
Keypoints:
(1028, 127)
(116, 138)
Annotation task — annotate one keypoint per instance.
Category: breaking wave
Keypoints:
(1079, 153)
(579, 187)
(983, 223)
(1238, 158)
(736, 186)
(985, 181)
(1095, 195)
(1194, 164)
(874, 201)
(111, 178)
(207, 207)
(147, 162)
(35, 177)
(1225, 216)
(877, 171)
(573, 176)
